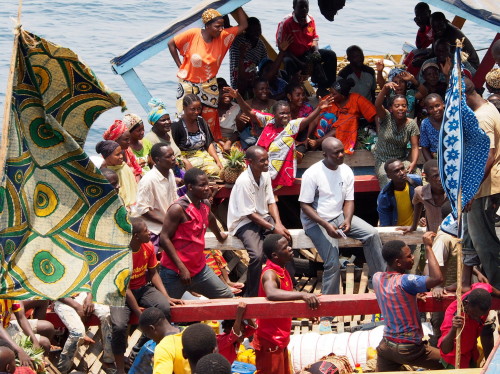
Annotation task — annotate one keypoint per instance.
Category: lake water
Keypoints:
(101, 30)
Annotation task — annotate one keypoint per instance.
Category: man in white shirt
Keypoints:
(327, 203)
(156, 191)
(253, 213)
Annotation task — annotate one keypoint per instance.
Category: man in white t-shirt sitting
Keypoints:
(252, 213)
(327, 203)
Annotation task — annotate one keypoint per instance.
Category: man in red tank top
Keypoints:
(273, 335)
(183, 265)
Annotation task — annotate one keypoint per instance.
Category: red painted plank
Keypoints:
(259, 307)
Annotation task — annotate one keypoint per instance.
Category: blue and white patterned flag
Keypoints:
(463, 148)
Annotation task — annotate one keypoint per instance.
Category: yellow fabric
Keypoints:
(404, 206)
(128, 184)
(168, 356)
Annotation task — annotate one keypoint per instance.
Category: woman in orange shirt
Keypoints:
(341, 118)
(203, 51)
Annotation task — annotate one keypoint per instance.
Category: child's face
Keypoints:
(142, 235)
(297, 97)
(401, 89)
(435, 108)
(431, 76)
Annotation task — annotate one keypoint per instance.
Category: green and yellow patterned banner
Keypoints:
(63, 228)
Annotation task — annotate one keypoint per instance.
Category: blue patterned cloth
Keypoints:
(429, 136)
(463, 148)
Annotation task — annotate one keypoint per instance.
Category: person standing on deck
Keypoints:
(183, 265)
(253, 213)
(327, 214)
(156, 191)
(479, 222)
(203, 51)
(273, 334)
(397, 298)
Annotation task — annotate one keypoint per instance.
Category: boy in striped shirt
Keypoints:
(397, 298)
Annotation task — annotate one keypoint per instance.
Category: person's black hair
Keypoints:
(156, 151)
(392, 250)
(108, 173)
(343, 86)
(353, 48)
(389, 162)
(398, 96)
(198, 340)
(445, 209)
(479, 298)
(271, 244)
(191, 176)
(279, 104)
(106, 147)
(6, 344)
(429, 164)
(431, 96)
(137, 224)
(221, 82)
(189, 99)
(441, 41)
(253, 21)
(213, 363)
(438, 16)
(294, 2)
(227, 324)
(258, 81)
(252, 151)
(423, 6)
(151, 316)
(292, 86)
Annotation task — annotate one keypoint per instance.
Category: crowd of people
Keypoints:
(165, 179)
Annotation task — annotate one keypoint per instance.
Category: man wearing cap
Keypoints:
(304, 53)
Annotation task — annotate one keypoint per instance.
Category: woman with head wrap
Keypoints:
(119, 133)
(113, 159)
(493, 81)
(159, 119)
(140, 147)
(341, 118)
(203, 51)
(402, 79)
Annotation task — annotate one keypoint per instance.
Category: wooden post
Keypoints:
(8, 92)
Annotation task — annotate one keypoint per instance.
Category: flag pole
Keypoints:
(460, 236)
(8, 91)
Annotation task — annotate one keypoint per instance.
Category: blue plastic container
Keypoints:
(242, 368)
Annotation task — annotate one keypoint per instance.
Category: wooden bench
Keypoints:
(301, 240)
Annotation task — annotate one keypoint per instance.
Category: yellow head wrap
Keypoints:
(209, 15)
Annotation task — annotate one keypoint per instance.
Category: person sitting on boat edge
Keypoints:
(168, 356)
(145, 290)
(113, 160)
(161, 125)
(424, 38)
(203, 51)
(327, 207)
(397, 298)
(156, 191)
(394, 130)
(394, 202)
(253, 214)
(303, 54)
(341, 118)
(362, 75)
(140, 146)
(194, 138)
(183, 265)
(279, 134)
(273, 334)
(71, 310)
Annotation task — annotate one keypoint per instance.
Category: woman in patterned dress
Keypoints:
(394, 130)
(203, 51)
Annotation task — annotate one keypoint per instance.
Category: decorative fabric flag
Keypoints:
(63, 228)
(463, 148)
